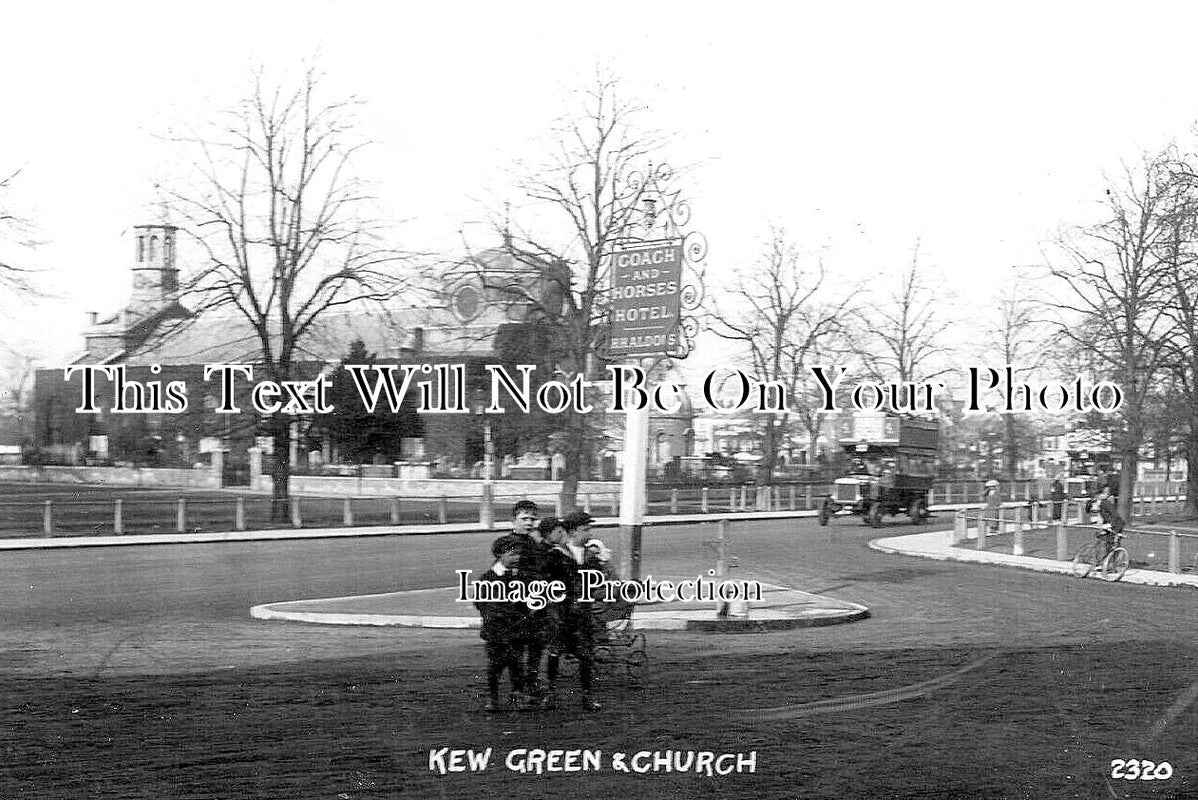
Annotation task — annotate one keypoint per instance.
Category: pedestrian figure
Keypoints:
(504, 627)
(1058, 499)
(527, 539)
(571, 624)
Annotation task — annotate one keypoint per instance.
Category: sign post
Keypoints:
(645, 311)
(632, 491)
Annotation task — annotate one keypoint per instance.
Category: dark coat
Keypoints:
(511, 623)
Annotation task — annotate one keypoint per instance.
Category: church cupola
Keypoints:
(155, 276)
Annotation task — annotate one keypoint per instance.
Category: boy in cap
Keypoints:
(504, 626)
(571, 625)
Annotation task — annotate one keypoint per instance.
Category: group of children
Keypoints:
(517, 636)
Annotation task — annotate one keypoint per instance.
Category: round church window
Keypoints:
(466, 302)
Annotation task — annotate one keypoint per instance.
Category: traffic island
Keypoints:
(780, 608)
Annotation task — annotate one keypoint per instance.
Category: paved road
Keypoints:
(913, 602)
(997, 682)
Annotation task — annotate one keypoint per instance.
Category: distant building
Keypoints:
(481, 313)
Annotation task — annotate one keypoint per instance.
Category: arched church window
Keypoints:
(153, 248)
(167, 246)
(141, 249)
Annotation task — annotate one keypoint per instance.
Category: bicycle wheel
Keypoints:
(1085, 560)
(1115, 564)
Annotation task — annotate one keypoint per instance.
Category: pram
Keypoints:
(616, 642)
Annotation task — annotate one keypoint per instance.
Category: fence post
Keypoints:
(586, 502)
(296, 520)
(807, 499)
(703, 499)
(982, 523)
(118, 521)
(347, 513)
(792, 497)
(673, 501)
(394, 510)
(731, 499)
(239, 514)
(47, 520)
(442, 510)
(615, 504)
(960, 525)
(744, 497)
(1062, 539)
(181, 516)
(1174, 553)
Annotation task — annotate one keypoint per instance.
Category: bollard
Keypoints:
(731, 499)
(586, 502)
(960, 526)
(615, 505)
(1062, 541)
(734, 608)
(1174, 553)
(982, 523)
(181, 516)
(239, 514)
(807, 500)
(118, 522)
(558, 511)
(394, 510)
(296, 520)
(442, 510)
(347, 513)
(721, 563)
(673, 501)
(703, 499)
(48, 520)
(1017, 543)
(792, 497)
(744, 497)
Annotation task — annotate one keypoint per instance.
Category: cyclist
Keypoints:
(1112, 523)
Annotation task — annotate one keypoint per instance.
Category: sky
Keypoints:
(976, 130)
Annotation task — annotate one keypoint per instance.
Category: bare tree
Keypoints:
(587, 195)
(285, 226)
(903, 337)
(1179, 254)
(16, 232)
(780, 317)
(1115, 282)
(1017, 336)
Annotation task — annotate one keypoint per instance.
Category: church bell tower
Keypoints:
(155, 276)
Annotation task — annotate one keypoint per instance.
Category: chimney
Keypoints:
(93, 318)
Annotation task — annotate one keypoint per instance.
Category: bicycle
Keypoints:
(1110, 566)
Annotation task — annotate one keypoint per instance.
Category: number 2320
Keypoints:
(1137, 770)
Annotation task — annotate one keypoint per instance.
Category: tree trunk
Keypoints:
(1127, 481)
(1192, 468)
(573, 449)
(1010, 447)
(280, 431)
(769, 453)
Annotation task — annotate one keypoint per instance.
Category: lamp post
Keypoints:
(486, 510)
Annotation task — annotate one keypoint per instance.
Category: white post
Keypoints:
(632, 491)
